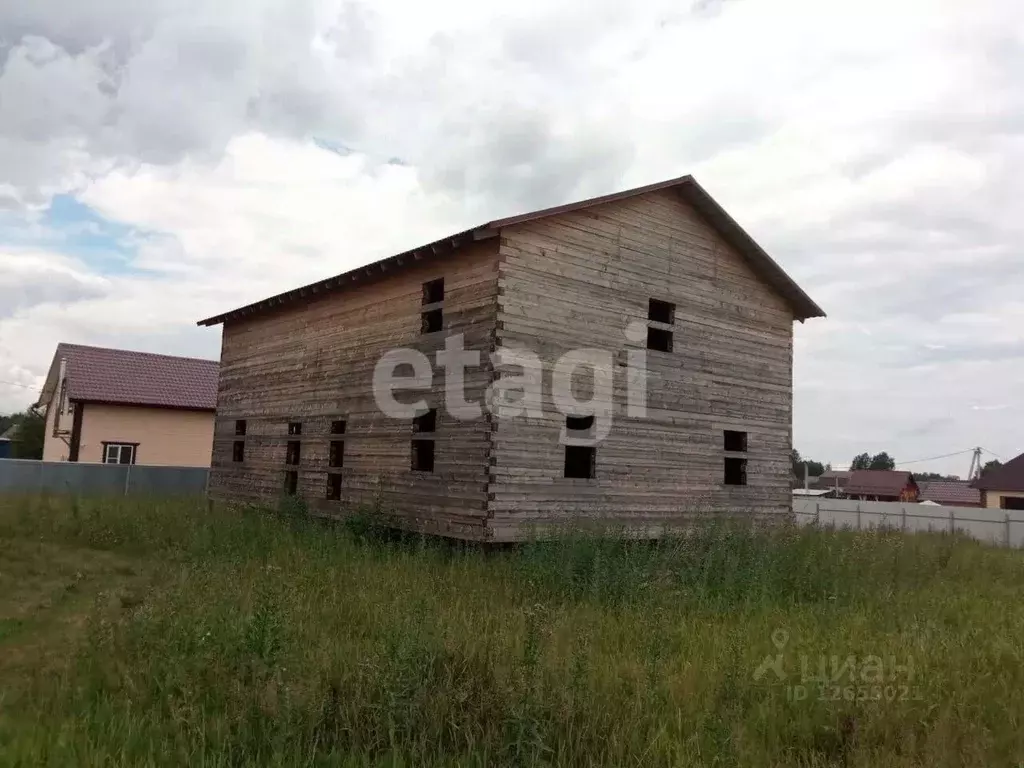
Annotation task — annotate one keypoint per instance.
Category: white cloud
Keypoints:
(876, 149)
(273, 210)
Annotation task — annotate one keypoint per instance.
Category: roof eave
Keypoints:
(358, 275)
(802, 305)
(141, 404)
(50, 382)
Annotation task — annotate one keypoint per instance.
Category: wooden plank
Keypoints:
(577, 280)
(314, 364)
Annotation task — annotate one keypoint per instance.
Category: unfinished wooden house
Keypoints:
(659, 275)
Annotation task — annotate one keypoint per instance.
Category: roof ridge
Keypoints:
(906, 471)
(66, 345)
(695, 195)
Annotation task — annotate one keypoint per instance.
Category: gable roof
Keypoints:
(1009, 477)
(102, 375)
(762, 264)
(878, 482)
(951, 492)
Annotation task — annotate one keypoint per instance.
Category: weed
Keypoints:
(165, 632)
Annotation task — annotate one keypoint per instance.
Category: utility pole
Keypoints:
(975, 471)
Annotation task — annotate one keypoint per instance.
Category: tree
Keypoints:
(879, 461)
(814, 468)
(882, 461)
(31, 434)
(861, 461)
(919, 476)
(991, 465)
(28, 443)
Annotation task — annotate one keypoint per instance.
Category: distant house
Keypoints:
(832, 479)
(114, 406)
(881, 485)
(950, 493)
(798, 482)
(814, 493)
(7, 441)
(1003, 488)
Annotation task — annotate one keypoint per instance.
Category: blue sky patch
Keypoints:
(82, 232)
(72, 228)
(333, 146)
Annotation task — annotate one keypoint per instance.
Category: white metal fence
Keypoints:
(995, 526)
(27, 476)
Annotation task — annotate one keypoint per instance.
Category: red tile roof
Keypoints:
(100, 375)
(949, 492)
(877, 482)
(833, 478)
(1009, 477)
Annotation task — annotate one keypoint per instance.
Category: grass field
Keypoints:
(163, 633)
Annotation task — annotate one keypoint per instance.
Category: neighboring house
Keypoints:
(881, 485)
(832, 479)
(682, 304)
(811, 480)
(950, 493)
(7, 441)
(119, 407)
(1003, 487)
(815, 493)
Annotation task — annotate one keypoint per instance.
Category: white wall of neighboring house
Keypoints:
(994, 499)
(164, 436)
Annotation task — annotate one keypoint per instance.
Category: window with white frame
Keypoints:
(119, 453)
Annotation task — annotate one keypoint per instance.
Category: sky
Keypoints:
(168, 160)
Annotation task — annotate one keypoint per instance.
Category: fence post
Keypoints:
(817, 513)
(127, 478)
(903, 518)
(858, 516)
(952, 522)
(1007, 523)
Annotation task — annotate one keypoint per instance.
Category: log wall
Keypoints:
(313, 363)
(575, 281)
(552, 285)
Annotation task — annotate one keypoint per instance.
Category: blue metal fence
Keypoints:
(25, 475)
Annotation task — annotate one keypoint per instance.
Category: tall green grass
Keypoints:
(266, 639)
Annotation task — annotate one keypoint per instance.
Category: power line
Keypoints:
(935, 458)
(16, 384)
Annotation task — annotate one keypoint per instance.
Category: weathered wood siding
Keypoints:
(575, 281)
(313, 363)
